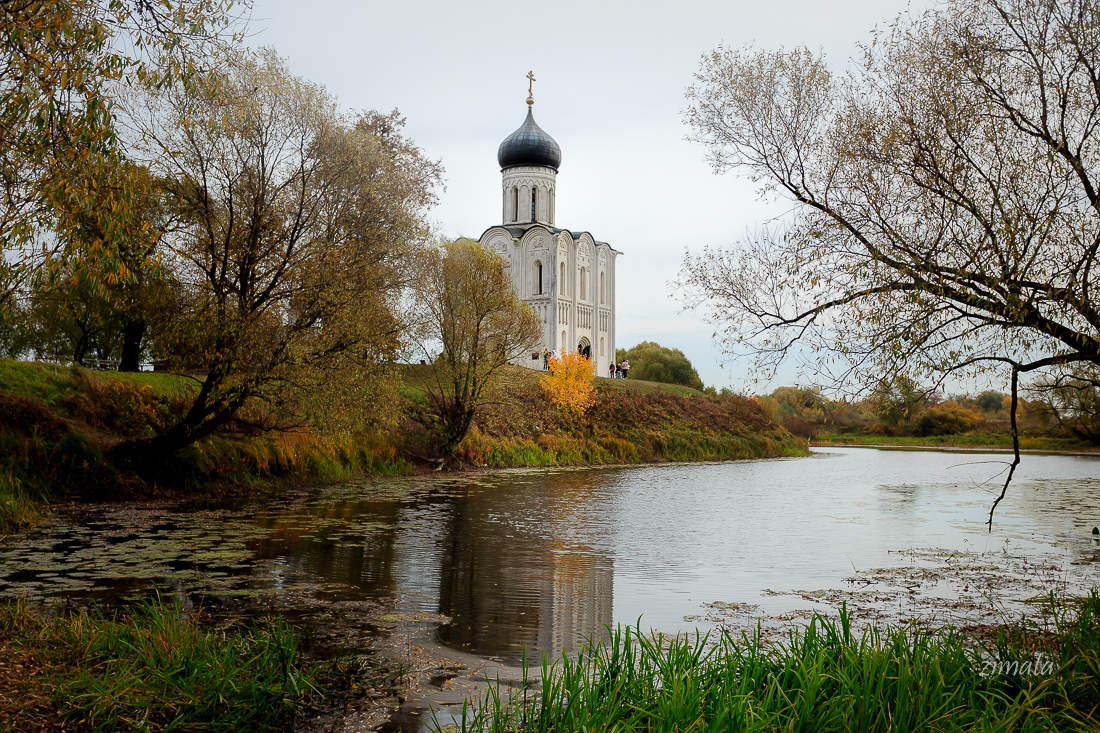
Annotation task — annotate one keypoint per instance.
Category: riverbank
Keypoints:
(57, 423)
(153, 667)
(977, 441)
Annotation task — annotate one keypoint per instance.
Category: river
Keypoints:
(536, 560)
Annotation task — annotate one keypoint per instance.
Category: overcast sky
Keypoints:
(610, 83)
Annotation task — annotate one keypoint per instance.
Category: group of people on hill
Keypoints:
(615, 371)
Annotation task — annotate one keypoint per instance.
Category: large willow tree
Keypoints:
(947, 196)
(295, 226)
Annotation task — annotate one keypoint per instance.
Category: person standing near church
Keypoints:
(545, 360)
(626, 368)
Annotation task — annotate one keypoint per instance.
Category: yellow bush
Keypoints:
(568, 383)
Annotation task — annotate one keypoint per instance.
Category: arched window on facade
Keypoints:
(563, 340)
(562, 279)
(515, 203)
(538, 278)
(583, 294)
(603, 298)
(534, 198)
(602, 346)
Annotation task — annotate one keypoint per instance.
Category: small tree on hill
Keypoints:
(656, 363)
(469, 311)
(568, 383)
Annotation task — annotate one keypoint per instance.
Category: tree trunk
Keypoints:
(132, 333)
(81, 348)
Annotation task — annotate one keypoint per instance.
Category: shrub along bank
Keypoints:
(57, 423)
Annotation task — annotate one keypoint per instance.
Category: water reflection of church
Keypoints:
(514, 582)
(579, 603)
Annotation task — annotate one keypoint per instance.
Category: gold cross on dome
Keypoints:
(530, 87)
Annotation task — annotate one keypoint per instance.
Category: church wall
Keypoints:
(567, 313)
(610, 271)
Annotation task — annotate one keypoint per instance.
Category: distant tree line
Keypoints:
(900, 406)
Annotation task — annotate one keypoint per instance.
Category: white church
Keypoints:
(567, 278)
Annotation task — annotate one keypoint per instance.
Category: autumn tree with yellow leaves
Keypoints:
(63, 66)
(568, 382)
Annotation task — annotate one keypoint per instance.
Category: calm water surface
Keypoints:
(538, 559)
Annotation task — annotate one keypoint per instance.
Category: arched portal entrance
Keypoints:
(584, 347)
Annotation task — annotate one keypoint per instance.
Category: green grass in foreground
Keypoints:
(154, 668)
(823, 678)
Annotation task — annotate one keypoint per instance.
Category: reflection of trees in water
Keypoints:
(322, 544)
(509, 563)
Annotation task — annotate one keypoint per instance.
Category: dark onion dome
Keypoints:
(529, 145)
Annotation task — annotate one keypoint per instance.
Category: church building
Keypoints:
(568, 278)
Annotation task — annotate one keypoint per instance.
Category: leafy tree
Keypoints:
(802, 411)
(67, 318)
(991, 400)
(656, 363)
(1072, 400)
(471, 325)
(568, 382)
(947, 196)
(110, 223)
(947, 418)
(62, 64)
(897, 402)
(296, 228)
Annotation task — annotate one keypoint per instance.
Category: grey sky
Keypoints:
(610, 81)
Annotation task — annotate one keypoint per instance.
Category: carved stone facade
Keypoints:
(567, 278)
(528, 194)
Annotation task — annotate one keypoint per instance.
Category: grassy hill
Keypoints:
(632, 421)
(57, 422)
